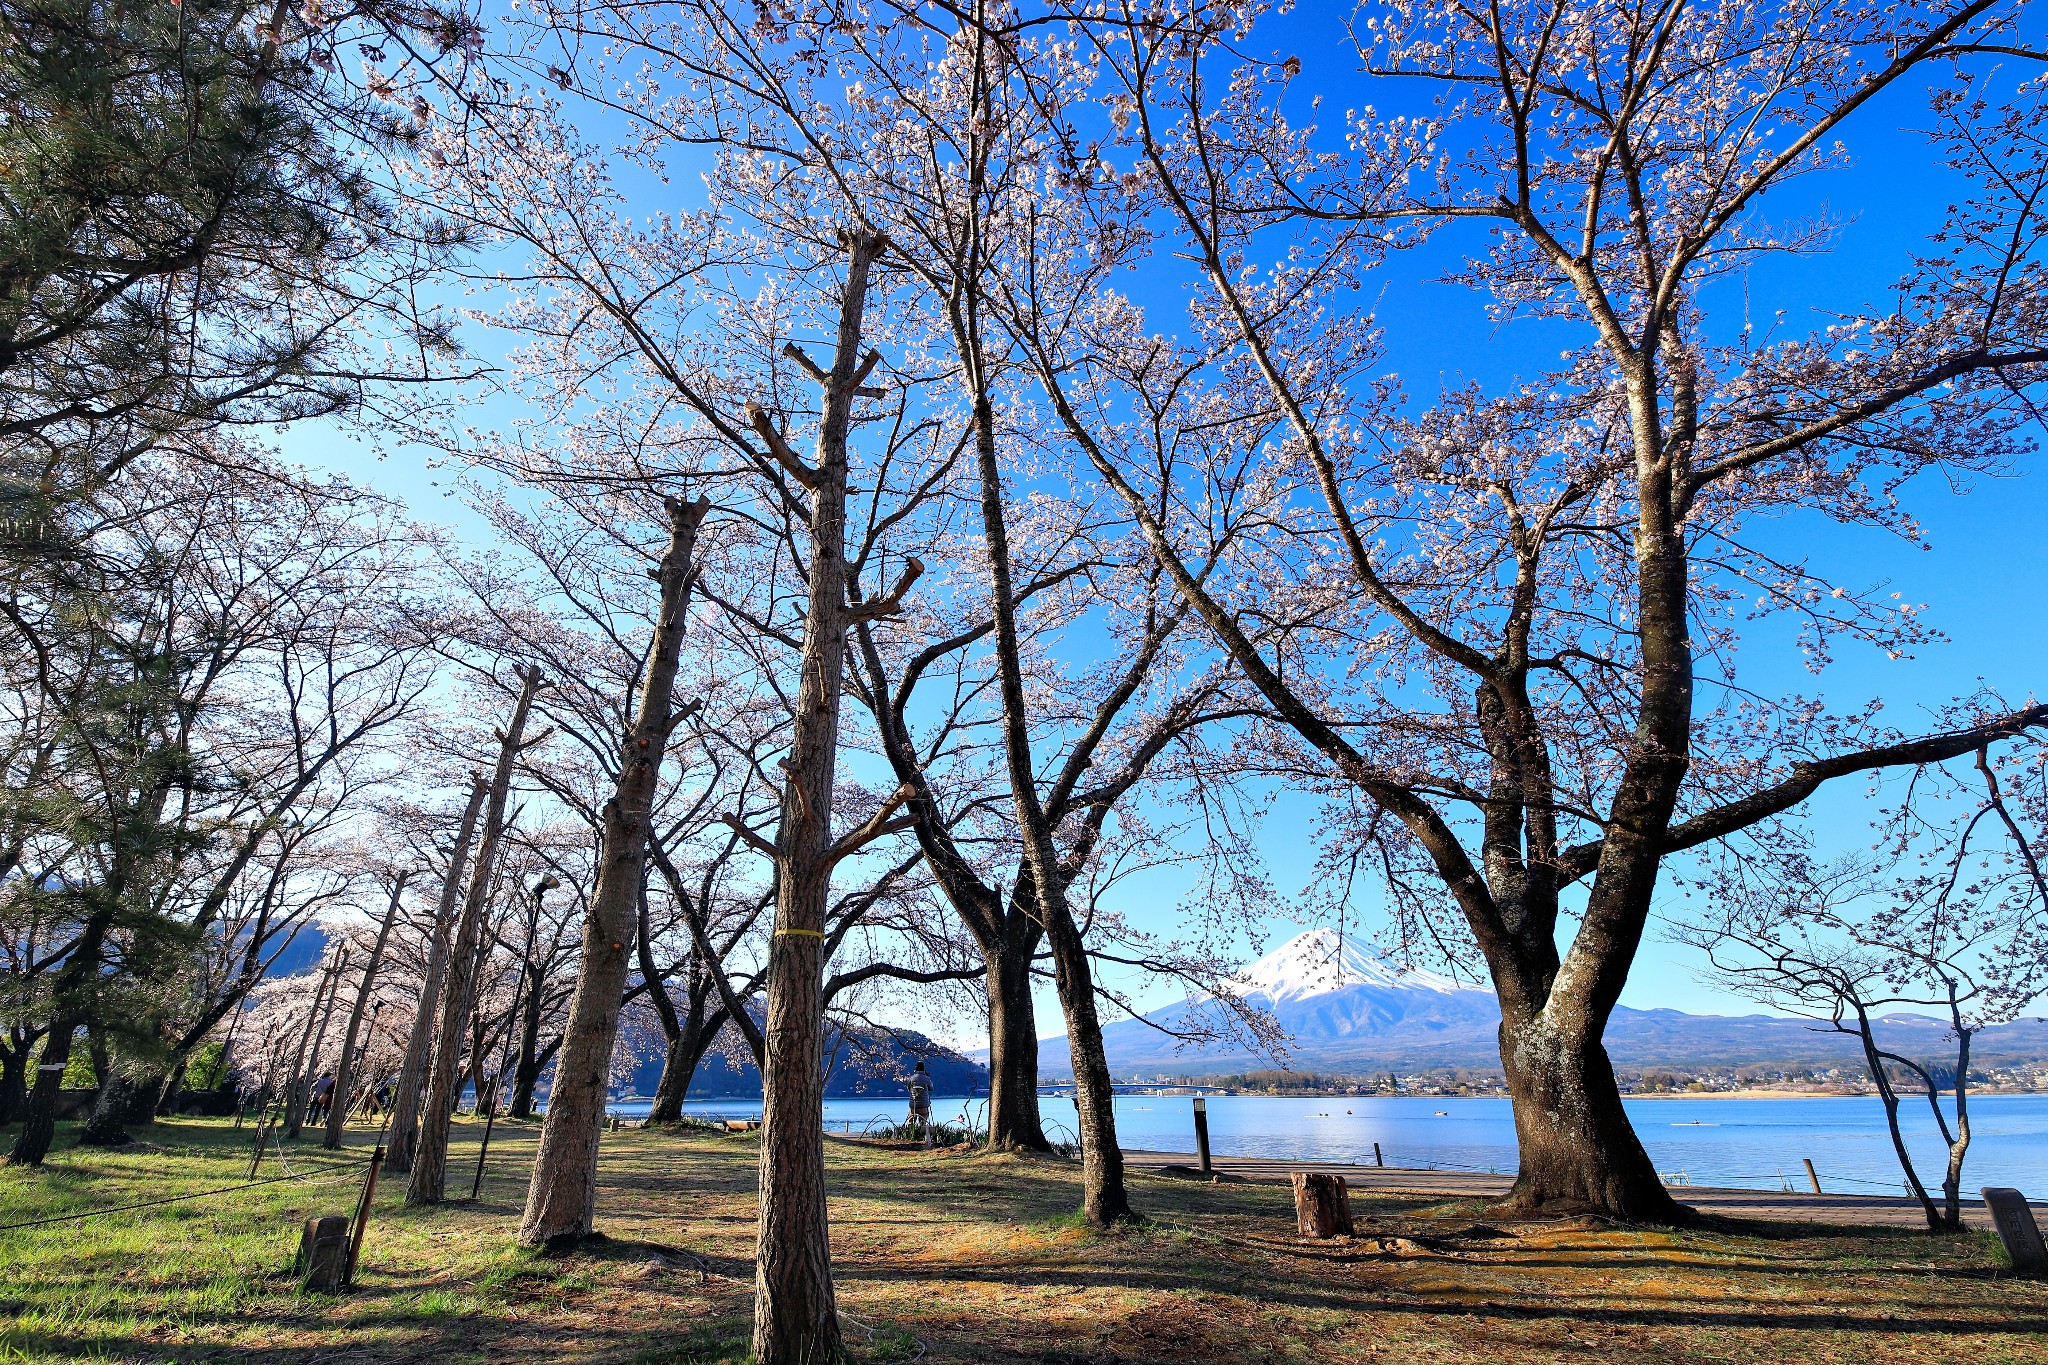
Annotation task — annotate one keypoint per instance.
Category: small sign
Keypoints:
(2014, 1219)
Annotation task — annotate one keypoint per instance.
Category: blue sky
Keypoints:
(1980, 574)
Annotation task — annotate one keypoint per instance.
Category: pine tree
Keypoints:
(192, 233)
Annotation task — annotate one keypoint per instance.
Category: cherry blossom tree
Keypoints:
(1960, 929)
(1513, 610)
(466, 945)
(628, 302)
(916, 120)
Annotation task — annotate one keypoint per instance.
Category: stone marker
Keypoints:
(2017, 1229)
(323, 1253)
(1322, 1205)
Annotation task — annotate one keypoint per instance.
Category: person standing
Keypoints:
(323, 1096)
(920, 1085)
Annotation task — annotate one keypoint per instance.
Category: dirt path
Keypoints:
(1846, 1210)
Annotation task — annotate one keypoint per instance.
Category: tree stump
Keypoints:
(323, 1253)
(1322, 1205)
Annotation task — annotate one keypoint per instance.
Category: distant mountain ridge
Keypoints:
(1348, 1011)
(865, 1061)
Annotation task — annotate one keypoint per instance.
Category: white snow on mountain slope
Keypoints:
(1322, 961)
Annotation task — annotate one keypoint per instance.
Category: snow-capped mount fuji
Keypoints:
(1322, 961)
(1345, 1010)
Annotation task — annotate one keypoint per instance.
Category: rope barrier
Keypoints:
(1768, 1180)
(172, 1199)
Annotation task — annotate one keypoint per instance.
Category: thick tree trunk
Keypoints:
(1959, 1141)
(1579, 1153)
(668, 1091)
(1014, 1121)
(680, 1062)
(412, 1073)
(430, 1158)
(796, 1316)
(676, 1067)
(795, 1310)
(526, 1079)
(561, 1201)
(39, 1121)
(1578, 1149)
(344, 1068)
(139, 1105)
(530, 1062)
(14, 1081)
(138, 1101)
(1103, 1198)
(106, 1126)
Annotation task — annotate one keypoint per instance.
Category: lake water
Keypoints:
(1716, 1140)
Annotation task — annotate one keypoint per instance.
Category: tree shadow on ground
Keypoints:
(980, 1257)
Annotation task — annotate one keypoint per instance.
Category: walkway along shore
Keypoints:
(1855, 1210)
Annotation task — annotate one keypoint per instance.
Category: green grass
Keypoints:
(945, 1256)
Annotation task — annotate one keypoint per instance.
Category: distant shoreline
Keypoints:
(1758, 1094)
(1975, 1092)
(743, 1101)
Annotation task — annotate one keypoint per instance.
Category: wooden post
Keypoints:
(323, 1253)
(1322, 1205)
(490, 1119)
(1812, 1178)
(256, 1157)
(1377, 1159)
(362, 1219)
(1202, 1132)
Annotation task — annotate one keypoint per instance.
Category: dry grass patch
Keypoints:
(954, 1256)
